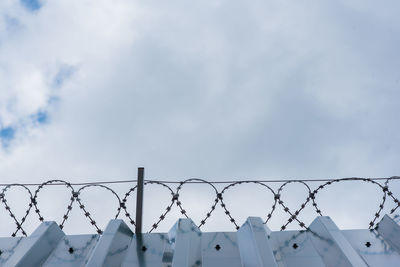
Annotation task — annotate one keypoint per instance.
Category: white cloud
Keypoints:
(222, 89)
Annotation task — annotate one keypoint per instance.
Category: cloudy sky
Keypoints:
(221, 90)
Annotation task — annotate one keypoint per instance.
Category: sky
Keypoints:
(219, 90)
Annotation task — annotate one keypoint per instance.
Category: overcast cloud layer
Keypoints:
(90, 90)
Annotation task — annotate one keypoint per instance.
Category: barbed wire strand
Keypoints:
(75, 199)
(200, 181)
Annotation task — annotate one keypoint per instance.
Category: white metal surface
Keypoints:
(324, 244)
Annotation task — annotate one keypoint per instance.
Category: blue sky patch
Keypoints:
(6, 135)
(64, 73)
(41, 117)
(32, 5)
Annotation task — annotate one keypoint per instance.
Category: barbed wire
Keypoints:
(77, 189)
(199, 181)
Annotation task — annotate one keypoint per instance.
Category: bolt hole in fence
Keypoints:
(154, 205)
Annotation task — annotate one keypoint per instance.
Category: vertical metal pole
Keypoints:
(139, 200)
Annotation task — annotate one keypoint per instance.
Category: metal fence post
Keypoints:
(139, 200)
